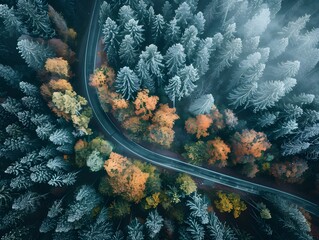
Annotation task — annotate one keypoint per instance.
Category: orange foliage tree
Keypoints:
(161, 131)
(125, 178)
(218, 119)
(290, 171)
(145, 104)
(218, 151)
(57, 66)
(249, 145)
(198, 126)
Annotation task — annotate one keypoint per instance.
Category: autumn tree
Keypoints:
(161, 131)
(230, 203)
(198, 125)
(290, 171)
(196, 152)
(186, 184)
(125, 178)
(145, 104)
(249, 145)
(218, 151)
(57, 66)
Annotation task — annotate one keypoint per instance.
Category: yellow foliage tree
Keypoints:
(57, 66)
(186, 183)
(152, 201)
(230, 202)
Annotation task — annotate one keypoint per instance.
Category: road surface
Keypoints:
(88, 64)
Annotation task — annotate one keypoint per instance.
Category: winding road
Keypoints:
(88, 64)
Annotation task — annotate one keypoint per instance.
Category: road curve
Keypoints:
(88, 63)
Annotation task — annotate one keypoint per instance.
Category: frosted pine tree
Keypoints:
(135, 30)
(189, 76)
(35, 54)
(243, 94)
(173, 89)
(110, 32)
(172, 33)
(157, 27)
(11, 76)
(293, 28)
(128, 52)
(167, 11)
(183, 15)
(278, 47)
(202, 105)
(154, 224)
(127, 83)
(12, 23)
(199, 22)
(105, 12)
(257, 25)
(175, 59)
(135, 230)
(125, 14)
(195, 229)
(287, 69)
(190, 40)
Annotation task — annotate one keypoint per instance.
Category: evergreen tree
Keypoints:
(292, 30)
(125, 14)
(267, 119)
(135, 230)
(61, 137)
(188, 75)
(11, 22)
(127, 83)
(175, 59)
(228, 54)
(28, 202)
(35, 15)
(167, 11)
(203, 56)
(29, 89)
(257, 25)
(150, 64)
(183, 15)
(195, 229)
(154, 223)
(105, 12)
(135, 31)
(173, 89)
(110, 38)
(199, 22)
(287, 69)
(198, 207)
(172, 33)
(202, 105)
(34, 53)
(157, 27)
(243, 94)
(128, 53)
(286, 128)
(11, 77)
(289, 84)
(294, 147)
(267, 94)
(189, 41)
(278, 47)
(218, 230)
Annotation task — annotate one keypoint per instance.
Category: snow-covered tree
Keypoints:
(286, 128)
(199, 22)
(11, 76)
(157, 27)
(189, 41)
(35, 54)
(183, 15)
(167, 11)
(218, 230)
(35, 15)
(198, 207)
(28, 202)
(125, 14)
(105, 12)
(173, 89)
(287, 69)
(195, 229)
(278, 47)
(293, 28)
(135, 230)
(154, 223)
(172, 33)
(267, 94)
(128, 52)
(188, 75)
(257, 24)
(243, 94)
(203, 55)
(11, 22)
(127, 82)
(61, 137)
(135, 31)
(267, 119)
(202, 105)
(228, 54)
(175, 59)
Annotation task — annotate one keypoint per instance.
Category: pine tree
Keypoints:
(189, 41)
(11, 76)
(286, 128)
(267, 94)
(267, 119)
(188, 75)
(173, 89)
(34, 53)
(218, 230)
(292, 30)
(289, 84)
(243, 94)
(203, 55)
(172, 33)
(198, 207)
(175, 59)
(28, 202)
(135, 31)
(125, 14)
(290, 111)
(61, 137)
(29, 89)
(11, 22)
(287, 69)
(257, 25)
(202, 105)
(302, 99)
(135, 230)
(128, 53)
(105, 12)
(228, 54)
(167, 11)
(127, 83)
(195, 229)
(35, 14)
(183, 15)
(199, 22)
(154, 223)
(157, 27)
(150, 64)
(110, 38)
(294, 147)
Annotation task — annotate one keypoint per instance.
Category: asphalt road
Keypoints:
(88, 63)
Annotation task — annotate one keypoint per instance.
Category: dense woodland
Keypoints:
(178, 74)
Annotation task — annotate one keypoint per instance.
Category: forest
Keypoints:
(230, 86)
